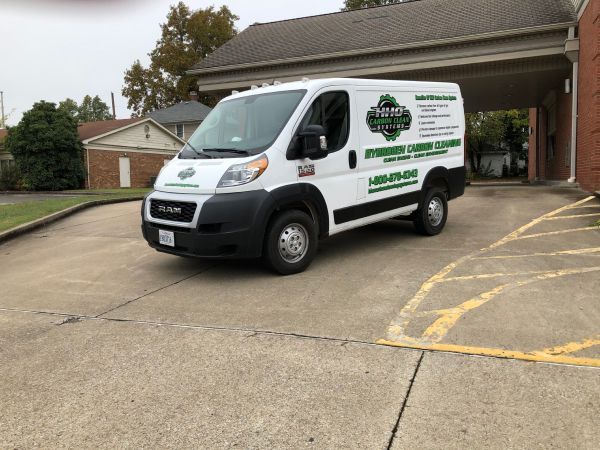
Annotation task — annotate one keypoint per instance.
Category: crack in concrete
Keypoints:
(258, 332)
(155, 291)
(404, 403)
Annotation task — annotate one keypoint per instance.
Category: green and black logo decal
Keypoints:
(389, 118)
(186, 173)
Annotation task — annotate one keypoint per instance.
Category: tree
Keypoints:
(69, 106)
(483, 128)
(93, 110)
(187, 37)
(47, 149)
(90, 110)
(516, 123)
(349, 5)
(496, 129)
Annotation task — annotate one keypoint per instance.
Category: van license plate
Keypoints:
(166, 238)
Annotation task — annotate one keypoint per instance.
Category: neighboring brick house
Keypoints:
(183, 118)
(125, 153)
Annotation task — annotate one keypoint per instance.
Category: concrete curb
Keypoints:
(47, 220)
(597, 194)
(56, 193)
(498, 183)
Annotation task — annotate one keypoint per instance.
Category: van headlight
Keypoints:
(239, 174)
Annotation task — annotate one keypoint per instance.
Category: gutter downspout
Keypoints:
(572, 53)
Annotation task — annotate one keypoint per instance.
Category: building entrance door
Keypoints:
(125, 172)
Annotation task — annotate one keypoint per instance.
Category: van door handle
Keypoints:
(352, 159)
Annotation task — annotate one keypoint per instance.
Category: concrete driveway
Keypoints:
(488, 334)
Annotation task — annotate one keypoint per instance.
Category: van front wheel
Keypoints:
(290, 242)
(431, 217)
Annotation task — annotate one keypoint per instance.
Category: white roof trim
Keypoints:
(397, 68)
(141, 150)
(147, 119)
(580, 7)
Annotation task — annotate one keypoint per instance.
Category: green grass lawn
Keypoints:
(20, 213)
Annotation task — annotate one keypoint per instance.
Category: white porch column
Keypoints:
(572, 53)
(574, 124)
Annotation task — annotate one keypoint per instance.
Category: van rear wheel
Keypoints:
(290, 242)
(431, 217)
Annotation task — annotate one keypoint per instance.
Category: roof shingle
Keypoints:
(190, 111)
(88, 130)
(402, 23)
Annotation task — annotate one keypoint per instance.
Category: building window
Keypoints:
(179, 130)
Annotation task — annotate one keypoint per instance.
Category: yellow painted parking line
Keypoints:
(440, 328)
(518, 232)
(397, 326)
(436, 332)
(582, 251)
(576, 216)
(553, 233)
(597, 205)
(571, 347)
(484, 276)
(496, 353)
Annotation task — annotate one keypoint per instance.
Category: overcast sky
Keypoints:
(54, 49)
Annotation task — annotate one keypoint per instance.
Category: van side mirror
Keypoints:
(314, 142)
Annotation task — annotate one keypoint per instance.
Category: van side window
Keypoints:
(332, 111)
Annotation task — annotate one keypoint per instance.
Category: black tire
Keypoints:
(298, 250)
(427, 220)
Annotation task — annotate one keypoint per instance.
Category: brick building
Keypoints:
(537, 54)
(125, 153)
(569, 115)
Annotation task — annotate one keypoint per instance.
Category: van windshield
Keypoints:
(242, 127)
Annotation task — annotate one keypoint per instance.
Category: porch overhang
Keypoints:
(490, 56)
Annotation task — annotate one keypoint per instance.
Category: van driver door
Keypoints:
(335, 175)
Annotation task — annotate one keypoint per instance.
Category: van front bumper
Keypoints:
(227, 226)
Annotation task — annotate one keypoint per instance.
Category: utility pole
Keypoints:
(112, 97)
(2, 124)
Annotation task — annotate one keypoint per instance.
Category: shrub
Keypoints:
(47, 150)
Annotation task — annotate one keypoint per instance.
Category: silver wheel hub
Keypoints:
(293, 243)
(435, 212)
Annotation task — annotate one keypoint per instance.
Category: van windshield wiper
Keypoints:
(227, 150)
(197, 152)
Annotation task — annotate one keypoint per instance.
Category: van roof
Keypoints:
(314, 85)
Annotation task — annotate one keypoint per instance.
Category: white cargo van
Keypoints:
(273, 170)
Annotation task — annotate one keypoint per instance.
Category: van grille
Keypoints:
(174, 211)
